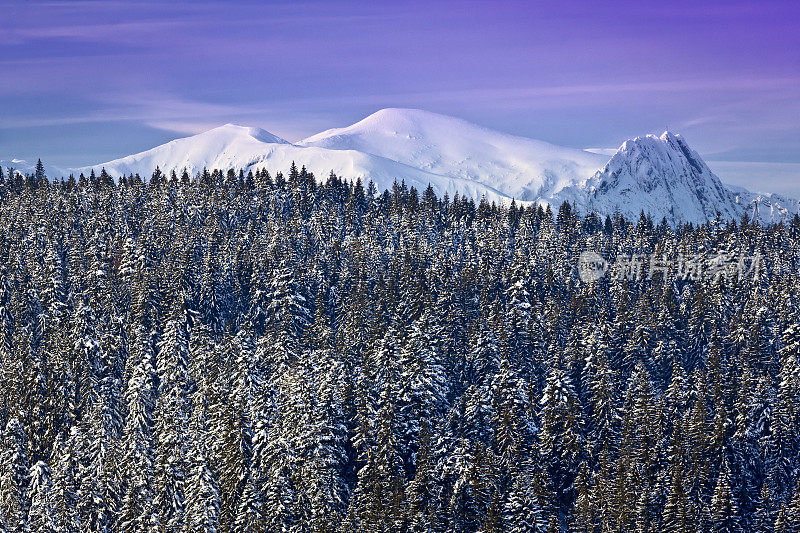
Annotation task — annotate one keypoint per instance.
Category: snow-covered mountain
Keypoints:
(521, 168)
(765, 207)
(225, 147)
(22, 166)
(239, 147)
(416, 146)
(662, 175)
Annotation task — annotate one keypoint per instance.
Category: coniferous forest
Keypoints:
(247, 353)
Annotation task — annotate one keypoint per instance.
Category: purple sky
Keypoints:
(88, 81)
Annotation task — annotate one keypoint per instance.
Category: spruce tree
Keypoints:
(42, 514)
(14, 478)
(171, 425)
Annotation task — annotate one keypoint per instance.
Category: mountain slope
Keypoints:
(664, 177)
(228, 146)
(522, 168)
(764, 207)
(239, 147)
(23, 166)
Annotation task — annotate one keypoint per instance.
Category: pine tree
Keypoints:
(86, 360)
(172, 426)
(98, 488)
(421, 384)
(137, 464)
(560, 437)
(723, 508)
(279, 491)
(42, 513)
(583, 519)
(507, 410)
(39, 172)
(324, 437)
(421, 490)
(793, 511)
(598, 379)
(764, 516)
(236, 431)
(66, 478)
(783, 444)
(288, 315)
(378, 488)
(519, 309)
(202, 495)
(14, 477)
(675, 515)
(249, 516)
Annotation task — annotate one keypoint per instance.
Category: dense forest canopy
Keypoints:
(230, 352)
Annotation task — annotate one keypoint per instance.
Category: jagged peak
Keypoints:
(669, 146)
(669, 134)
(661, 174)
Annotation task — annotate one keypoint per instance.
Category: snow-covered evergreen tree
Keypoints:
(234, 352)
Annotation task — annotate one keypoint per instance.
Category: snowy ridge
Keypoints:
(521, 168)
(660, 175)
(765, 207)
(239, 147)
(21, 166)
(228, 146)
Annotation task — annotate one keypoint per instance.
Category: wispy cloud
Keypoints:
(616, 89)
(155, 109)
(183, 126)
(171, 112)
(185, 116)
(118, 32)
(552, 97)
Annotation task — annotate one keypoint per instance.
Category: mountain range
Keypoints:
(660, 175)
